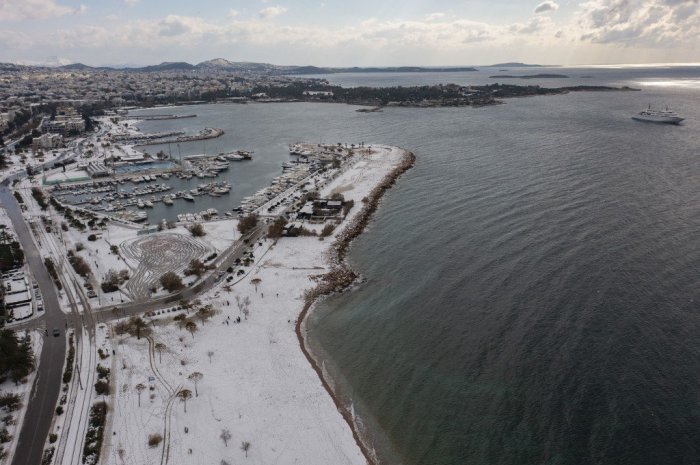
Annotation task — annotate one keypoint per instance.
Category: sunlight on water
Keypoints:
(679, 83)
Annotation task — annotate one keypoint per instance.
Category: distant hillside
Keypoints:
(223, 65)
(530, 76)
(513, 65)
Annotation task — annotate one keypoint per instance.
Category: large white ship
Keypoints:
(658, 116)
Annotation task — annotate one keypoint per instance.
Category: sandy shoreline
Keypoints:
(340, 279)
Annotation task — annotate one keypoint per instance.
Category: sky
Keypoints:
(350, 32)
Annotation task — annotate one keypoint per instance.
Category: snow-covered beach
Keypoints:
(257, 395)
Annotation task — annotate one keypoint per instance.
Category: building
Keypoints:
(98, 170)
(47, 141)
(318, 93)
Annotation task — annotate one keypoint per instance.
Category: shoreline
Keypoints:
(339, 278)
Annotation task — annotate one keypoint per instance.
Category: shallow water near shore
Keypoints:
(532, 284)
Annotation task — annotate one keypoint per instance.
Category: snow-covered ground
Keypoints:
(257, 383)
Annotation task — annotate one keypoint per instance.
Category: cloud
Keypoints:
(649, 23)
(435, 16)
(24, 10)
(232, 13)
(547, 5)
(272, 11)
(131, 2)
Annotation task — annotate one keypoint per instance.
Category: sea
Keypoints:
(530, 290)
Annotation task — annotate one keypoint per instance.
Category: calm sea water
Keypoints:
(532, 285)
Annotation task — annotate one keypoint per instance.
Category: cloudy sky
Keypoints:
(351, 32)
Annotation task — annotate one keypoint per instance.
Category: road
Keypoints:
(226, 260)
(47, 385)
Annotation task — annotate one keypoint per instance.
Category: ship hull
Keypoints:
(659, 119)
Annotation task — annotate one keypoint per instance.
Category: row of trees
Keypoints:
(16, 356)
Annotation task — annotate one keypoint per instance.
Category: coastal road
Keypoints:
(47, 384)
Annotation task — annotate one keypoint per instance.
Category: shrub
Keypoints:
(102, 387)
(52, 438)
(154, 440)
(10, 401)
(327, 230)
(247, 223)
(59, 410)
(197, 230)
(171, 282)
(92, 237)
(102, 372)
(277, 228)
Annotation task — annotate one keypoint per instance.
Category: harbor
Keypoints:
(198, 187)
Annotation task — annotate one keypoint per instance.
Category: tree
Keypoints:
(171, 281)
(184, 395)
(139, 325)
(139, 388)
(197, 230)
(204, 312)
(245, 445)
(225, 436)
(247, 223)
(255, 282)
(181, 320)
(160, 347)
(191, 326)
(210, 354)
(242, 303)
(196, 267)
(195, 377)
(277, 228)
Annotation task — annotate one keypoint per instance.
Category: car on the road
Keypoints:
(56, 332)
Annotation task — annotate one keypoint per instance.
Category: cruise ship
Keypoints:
(658, 116)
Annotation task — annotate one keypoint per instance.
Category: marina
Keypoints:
(180, 185)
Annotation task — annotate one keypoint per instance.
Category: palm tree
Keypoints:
(185, 394)
(195, 378)
(139, 388)
(225, 436)
(191, 326)
(245, 445)
(160, 347)
(255, 282)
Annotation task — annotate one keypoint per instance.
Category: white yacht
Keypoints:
(658, 116)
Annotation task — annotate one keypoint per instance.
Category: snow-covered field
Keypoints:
(256, 383)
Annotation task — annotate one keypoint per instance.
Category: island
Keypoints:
(530, 76)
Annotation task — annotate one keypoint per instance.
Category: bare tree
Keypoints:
(245, 445)
(246, 311)
(210, 354)
(205, 312)
(191, 326)
(255, 282)
(160, 347)
(181, 319)
(139, 324)
(225, 436)
(195, 378)
(140, 388)
(242, 303)
(184, 395)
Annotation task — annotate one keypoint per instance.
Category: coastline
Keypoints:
(263, 389)
(340, 278)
